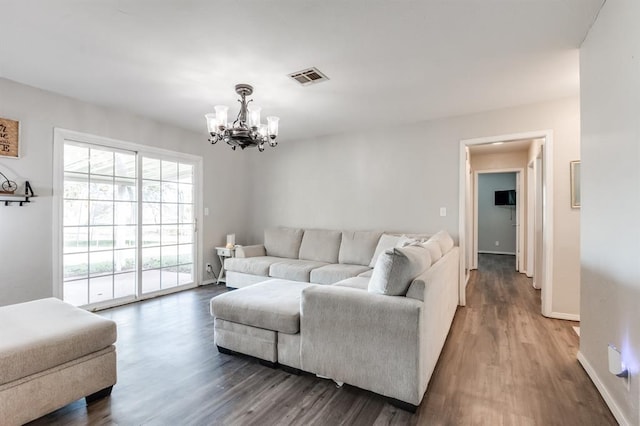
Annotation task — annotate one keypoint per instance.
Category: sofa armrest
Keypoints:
(368, 340)
(250, 251)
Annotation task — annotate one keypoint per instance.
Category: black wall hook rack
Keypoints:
(19, 198)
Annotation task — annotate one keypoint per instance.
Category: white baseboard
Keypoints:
(617, 413)
(209, 282)
(496, 252)
(564, 316)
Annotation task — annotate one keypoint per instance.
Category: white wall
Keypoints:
(398, 177)
(496, 223)
(26, 232)
(610, 87)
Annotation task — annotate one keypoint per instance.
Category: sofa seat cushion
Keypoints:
(330, 274)
(294, 269)
(271, 305)
(251, 265)
(367, 273)
(361, 283)
(38, 335)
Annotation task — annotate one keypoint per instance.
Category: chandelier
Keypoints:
(242, 133)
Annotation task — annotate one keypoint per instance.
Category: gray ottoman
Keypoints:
(261, 320)
(51, 354)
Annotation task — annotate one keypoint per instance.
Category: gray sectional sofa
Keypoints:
(379, 329)
(315, 256)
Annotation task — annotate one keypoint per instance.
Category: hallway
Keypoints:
(506, 364)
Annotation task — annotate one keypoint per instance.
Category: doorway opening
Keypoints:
(498, 215)
(532, 205)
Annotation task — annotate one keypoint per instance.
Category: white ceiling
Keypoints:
(389, 61)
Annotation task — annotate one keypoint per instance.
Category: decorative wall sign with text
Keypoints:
(9, 138)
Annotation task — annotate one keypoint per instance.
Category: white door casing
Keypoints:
(547, 208)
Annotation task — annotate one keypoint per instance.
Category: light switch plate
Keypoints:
(443, 211)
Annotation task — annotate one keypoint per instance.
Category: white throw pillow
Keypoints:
(434, 250)
(396, 268)
(444, 239)
(387, 242)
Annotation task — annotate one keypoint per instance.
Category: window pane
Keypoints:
(150, 235)
(185, 213)
(100, 263)
(150, 258)
(76, 213)
(185, 274)
(150, 281)
(100, 188)
(150, 168)
(101, 162)
(75, 265)
(76, 292)
(125, 164)
(100, 289)
(169, 255)
(76, 186)
(100, 238)
(169, 278)
(169, 234)
(185, 174)
(75, 239)
(169, 192)
(151, 213)
(185, 253)
(124, 260)
(186, 234)
(101, 212)
(124, 237)
(169, 171)
(125, 189)
(125, 213)
(150, 190)
(76, 159)
(124, 284)
(185, 193)
(169, 213)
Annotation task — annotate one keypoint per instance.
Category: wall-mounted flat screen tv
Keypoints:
(505, 198)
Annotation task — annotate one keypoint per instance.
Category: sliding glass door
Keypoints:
(168, 224)
(128, 224)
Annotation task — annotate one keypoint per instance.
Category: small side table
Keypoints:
(224, 253)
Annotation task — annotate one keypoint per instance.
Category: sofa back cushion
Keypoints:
(320, 245)
(357, 247)
(283, 242)
(396, 268)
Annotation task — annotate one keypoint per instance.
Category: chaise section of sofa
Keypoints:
(382, 333)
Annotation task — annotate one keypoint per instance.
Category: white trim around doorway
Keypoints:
(547, 238)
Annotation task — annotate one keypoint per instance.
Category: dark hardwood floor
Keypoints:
(503, 364)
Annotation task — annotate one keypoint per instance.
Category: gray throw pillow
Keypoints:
(396, 268)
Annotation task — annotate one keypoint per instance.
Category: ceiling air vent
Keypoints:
(309, 76)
